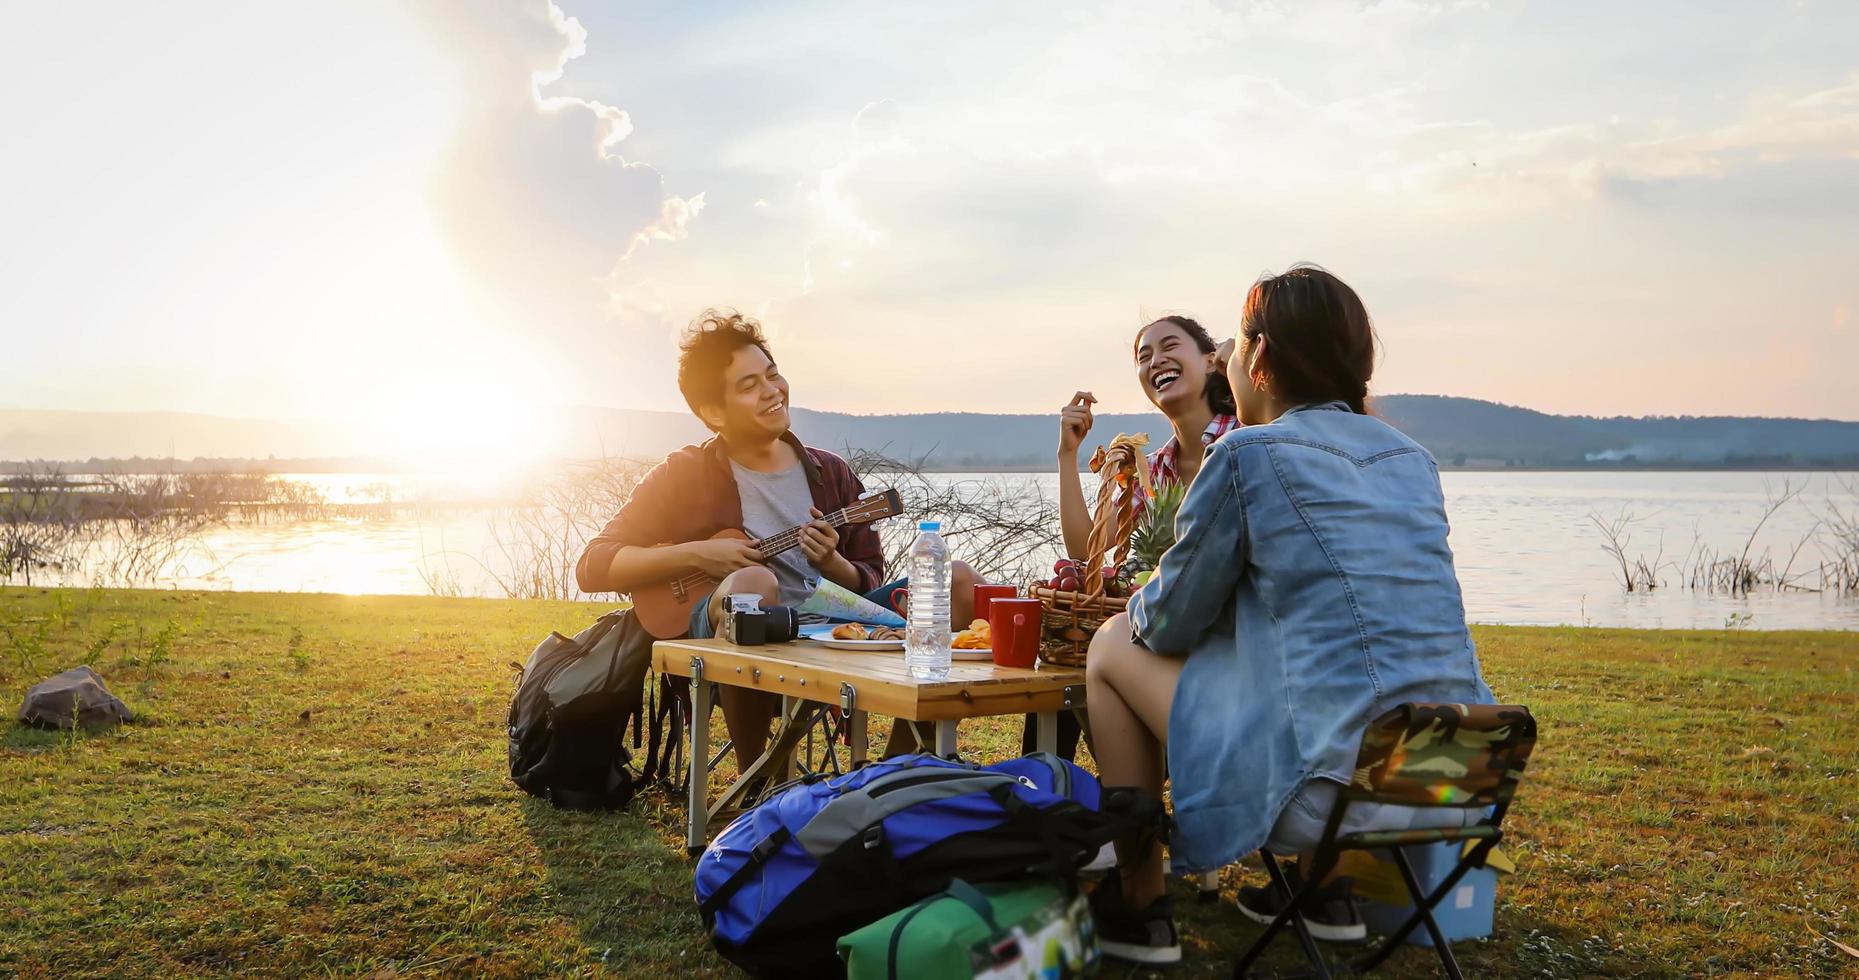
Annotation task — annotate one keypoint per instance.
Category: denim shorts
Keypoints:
(1300, 825)
(700, 628)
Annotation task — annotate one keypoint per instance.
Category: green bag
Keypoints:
(1037, 929)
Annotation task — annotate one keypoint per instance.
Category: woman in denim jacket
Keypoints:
(1310, 588)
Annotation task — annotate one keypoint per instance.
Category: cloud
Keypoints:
(839, 233)
(536, 200)
(673, 224)
(1793, 152)
(1048, 170)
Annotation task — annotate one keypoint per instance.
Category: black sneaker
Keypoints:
(1147, 936)
(1329, 912)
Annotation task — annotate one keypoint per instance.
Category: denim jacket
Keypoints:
(1310, 588)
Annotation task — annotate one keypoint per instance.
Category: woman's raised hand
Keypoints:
(1075, 422)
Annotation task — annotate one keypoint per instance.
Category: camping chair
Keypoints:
(1468, 756)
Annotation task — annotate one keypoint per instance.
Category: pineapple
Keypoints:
(1156, 532)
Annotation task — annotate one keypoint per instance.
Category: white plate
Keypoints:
(822, 633)
(868, 646)
(897, 646)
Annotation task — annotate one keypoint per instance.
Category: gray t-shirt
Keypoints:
(772, 503)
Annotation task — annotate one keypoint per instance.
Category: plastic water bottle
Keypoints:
(927, 638)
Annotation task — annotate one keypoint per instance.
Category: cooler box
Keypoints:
(1465, 912)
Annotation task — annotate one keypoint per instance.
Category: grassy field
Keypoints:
(316, 784)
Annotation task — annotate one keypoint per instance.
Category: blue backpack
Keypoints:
(823, 857)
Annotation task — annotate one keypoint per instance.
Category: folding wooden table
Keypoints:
(806, 674)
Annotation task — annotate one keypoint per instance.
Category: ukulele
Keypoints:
(664, 608)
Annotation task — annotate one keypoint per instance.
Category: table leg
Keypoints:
(1046, 732)
(945, 738)
(779, 751)
(858, 738)
(699, 753)
(785, 765)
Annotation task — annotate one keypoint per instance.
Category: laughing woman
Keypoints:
(1180, 368)
(1310, 588)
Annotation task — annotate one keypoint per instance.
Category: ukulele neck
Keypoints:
(775, 544)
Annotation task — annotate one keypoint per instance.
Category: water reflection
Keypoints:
(1526, 548)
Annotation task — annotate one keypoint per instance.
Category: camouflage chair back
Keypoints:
(1466, 756)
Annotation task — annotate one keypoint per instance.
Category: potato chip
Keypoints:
(976, 637)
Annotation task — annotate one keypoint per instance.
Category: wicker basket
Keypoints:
(1071, 618)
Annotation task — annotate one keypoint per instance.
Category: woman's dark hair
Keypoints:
(705, 351)
(1217, 391)
(1318, 336)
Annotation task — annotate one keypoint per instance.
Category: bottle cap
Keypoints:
(929, 525)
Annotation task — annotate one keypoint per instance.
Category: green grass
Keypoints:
(316, 784)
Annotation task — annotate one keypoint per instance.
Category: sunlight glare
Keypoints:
(428, 430)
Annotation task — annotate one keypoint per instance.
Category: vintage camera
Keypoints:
(747, 624)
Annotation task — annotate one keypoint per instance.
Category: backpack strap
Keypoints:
(971, 896)
(757, 857)
(1061, 856)
(851, 814)
(958, 890)
(665, 733)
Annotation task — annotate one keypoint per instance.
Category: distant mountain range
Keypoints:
(1461, 432)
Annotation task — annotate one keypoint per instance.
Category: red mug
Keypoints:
(1015, 626)
(985, 594)
(901, 606)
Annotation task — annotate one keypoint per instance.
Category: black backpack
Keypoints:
(573, 703)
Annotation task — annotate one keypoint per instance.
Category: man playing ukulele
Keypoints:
(754, 475)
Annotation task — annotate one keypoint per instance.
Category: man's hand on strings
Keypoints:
(819, 541)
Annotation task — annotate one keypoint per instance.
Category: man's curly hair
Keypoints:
(705, 351)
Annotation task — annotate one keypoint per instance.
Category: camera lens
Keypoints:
(781, 624)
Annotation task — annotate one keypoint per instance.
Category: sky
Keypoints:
(465, 209)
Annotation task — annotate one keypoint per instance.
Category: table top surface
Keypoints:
(881, 683)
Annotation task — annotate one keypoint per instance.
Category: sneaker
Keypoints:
(1329, 913)
(1147, 936)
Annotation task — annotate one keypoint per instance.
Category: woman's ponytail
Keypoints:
(1317, 335)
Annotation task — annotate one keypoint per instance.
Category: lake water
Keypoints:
(1527, 549)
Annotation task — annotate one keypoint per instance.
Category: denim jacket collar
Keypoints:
(1330, 406)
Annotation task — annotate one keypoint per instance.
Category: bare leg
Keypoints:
(1130, 691)
(962, 582)
(903, 740)
(746, 713)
